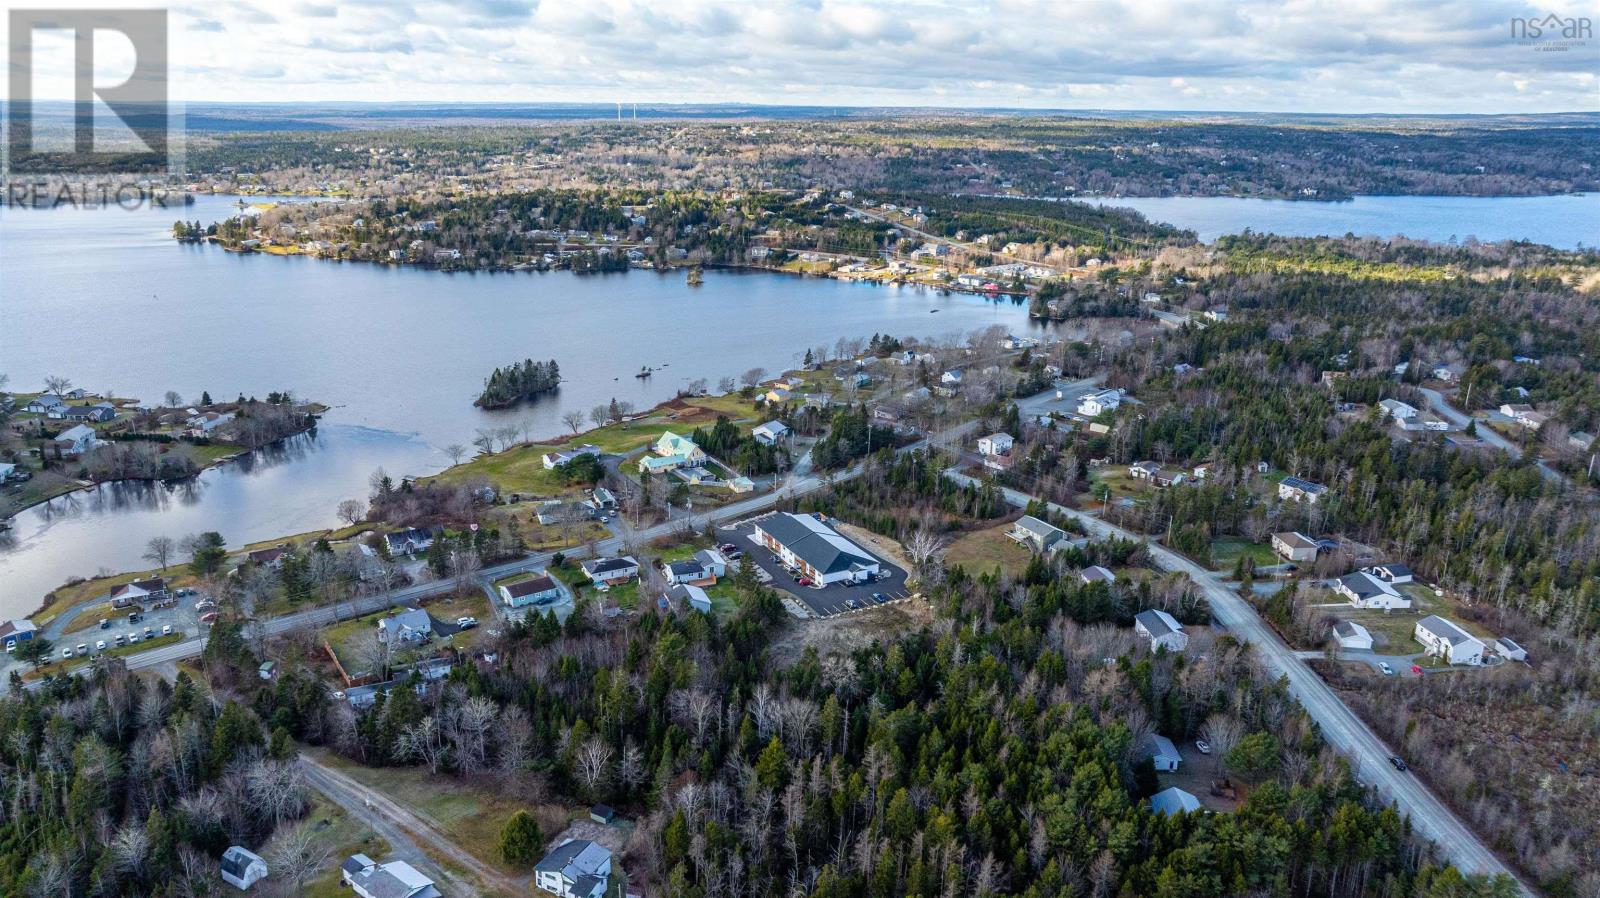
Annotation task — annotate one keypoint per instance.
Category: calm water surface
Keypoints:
(1561, 221)
(106, 298)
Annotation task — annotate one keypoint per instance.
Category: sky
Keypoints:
(1332, 56)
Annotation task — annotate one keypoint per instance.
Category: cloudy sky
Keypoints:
(1296, 55)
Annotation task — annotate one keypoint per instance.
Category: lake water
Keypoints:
(1561, 221)
(106, 298)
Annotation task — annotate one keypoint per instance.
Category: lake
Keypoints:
(1561, 221)
(107, 298)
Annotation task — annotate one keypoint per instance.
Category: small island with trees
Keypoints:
(512, 384)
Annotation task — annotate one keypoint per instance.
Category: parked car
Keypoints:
(149, 632)
(134, 617)
(184, 591)
(726, 547)
(83, 649)
(1202, 746)
(806, 581)
(879, 597)
(466, 622)
(66, 653)
(99, 645)
(121, 640)
(852, 603)
(105, 623)
(1387, 670)
(1398, 763)
(133, 638)
(166, 629)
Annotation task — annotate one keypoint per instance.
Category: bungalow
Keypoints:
(996, 444)
(1169, 802)
(777, 395)
(602, 498)
(1446, 639)
(49, 406)
(771, 433)
(1509, 650)
(1352, 635)
(1162, 629)
(577, 868)
(1392, 573)
(395, 879)
(205, 422)
(554, 512)
(271, 557)
(1161, 752)
(1094, 573)
(1217, 313)
(412, 541)
(553, 460)
(1201, 471)
(1295, 546)
(541, 589)
(951, 378)
(76, 440)
(1366, 591)
(138, 591)
(742, 485)
(704, 568)
(1449, 372)
(1294, 489)
(818, 551)
(100, 412)
(1144, 470)
(1098, 403)
(660, 464)
(242, 868)
(670, 445)
(409, 626)
(609, 572)
(691, 595)
(1397, 410)
(1525, 415)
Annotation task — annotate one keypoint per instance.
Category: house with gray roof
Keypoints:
(1366, 590)
(1037, 535)
(1445, 639)
(818, 551)
(1352, 635)
(395, 879)
(412, 625)
(577, 868)
(611, 571)
(1174, 801)
(1294, 489)
(1162, 629)
(242, 868)
(1161, 752)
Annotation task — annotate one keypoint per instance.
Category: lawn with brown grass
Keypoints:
(983, 550)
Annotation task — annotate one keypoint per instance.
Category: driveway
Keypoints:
(825, 601)
(1444, 409)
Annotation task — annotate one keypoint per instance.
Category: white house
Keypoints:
(1509, 650)
(1295, 546)
(818, 551)
(49, 406)
(1392, 573)
(1366, 591)
(1397, 410)
(1525, 415)
(577, 868)
(1447, 640)
(206, 422)
(410, 625)
(1352, 635)
(1162, 629)
(1096, 404)
(1174, 801)
(771, 433)
(1293, 489)
(242, 868)
(76, 440)
(951, 378)
(609, 572)
(996, 444)
(395, 879)
(552, 460)
(1161, 752)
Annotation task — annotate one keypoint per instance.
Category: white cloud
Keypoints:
(1289, 55)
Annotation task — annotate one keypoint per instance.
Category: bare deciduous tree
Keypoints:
(456, 451)
(57, 384)
(158, 551)
(296, 856)
(573, 419)
(593, 761)
(352, 510)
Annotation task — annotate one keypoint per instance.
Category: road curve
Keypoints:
(1369, 756)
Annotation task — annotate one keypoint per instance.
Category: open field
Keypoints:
(982, 551)
(1226, 552)
(343, 836)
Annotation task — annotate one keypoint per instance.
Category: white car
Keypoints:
(1202, 746)
(83, 649)
(99, 645)
(466, 623)
(166, 629)
(1387, 670)
(66, 653)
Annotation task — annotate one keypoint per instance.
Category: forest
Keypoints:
(515, 383)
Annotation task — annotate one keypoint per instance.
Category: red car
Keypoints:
(803, 581)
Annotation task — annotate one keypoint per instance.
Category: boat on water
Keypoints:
(645, 372)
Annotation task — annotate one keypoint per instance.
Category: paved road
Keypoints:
(1340, 726)
(935, 238)
(405, 595)
(1444, 409)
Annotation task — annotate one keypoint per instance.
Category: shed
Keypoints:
(1162, 753)
(602, 813)
(242, 868)
(1174, 801)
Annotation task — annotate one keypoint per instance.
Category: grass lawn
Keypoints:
(1226, 552)
(1119, 482)
(983, 550)
(345, 836)
(471, 813)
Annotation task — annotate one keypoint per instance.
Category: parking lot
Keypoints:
(824, 601)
